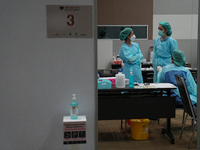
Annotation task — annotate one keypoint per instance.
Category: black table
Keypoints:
(137, 103)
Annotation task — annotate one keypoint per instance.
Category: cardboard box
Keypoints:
(74, 130)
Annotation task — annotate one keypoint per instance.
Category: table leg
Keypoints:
(168, 130)
(125, 129)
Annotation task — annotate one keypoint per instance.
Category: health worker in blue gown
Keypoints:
(131, 55)
(166, 75)
(164, 45)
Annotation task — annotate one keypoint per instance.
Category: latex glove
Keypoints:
(159, 68)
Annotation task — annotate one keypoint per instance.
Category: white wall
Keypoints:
(38, 76)
(105, 53)
(183, 26)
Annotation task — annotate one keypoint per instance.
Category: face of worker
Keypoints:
(131, 34)
(162, 29)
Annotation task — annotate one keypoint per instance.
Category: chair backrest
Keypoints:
(187, 104)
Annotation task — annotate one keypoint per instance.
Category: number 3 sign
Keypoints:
(69, 21)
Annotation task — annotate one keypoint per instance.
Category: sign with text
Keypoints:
(69, 21)
(74, 130)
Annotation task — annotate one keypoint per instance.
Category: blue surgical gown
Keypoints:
(162, 53)
(132, 58)
(167, 76)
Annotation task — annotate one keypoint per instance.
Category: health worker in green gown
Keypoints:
(131, 55)
(164, 45)
(167, 75)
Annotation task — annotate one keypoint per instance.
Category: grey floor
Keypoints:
(112, 137)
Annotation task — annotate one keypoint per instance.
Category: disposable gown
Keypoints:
(162, 53)
(167, 76)
(132, 58)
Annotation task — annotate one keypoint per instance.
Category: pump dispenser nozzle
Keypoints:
(74, 97)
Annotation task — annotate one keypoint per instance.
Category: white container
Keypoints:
(120, 80)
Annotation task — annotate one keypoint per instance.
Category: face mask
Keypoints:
(160, 33)
(133, 38)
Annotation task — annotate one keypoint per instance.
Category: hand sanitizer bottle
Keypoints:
(131, 79)
(74, 108)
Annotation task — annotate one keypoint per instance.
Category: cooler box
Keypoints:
(104, 84)
(139, 129)
(112, 79)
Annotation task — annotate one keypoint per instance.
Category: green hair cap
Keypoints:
(123, 34)
(179, 58)
(166, 26)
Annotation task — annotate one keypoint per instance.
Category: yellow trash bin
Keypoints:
(140, 129)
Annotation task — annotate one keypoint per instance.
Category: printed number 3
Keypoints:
(71, 18)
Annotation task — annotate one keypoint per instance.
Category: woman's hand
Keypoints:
(159, 68)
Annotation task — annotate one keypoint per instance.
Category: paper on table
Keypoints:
(163, 85)
(141, 85)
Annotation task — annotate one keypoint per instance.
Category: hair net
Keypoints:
(102, 33)
(166, 26)
(123, 34)
(179, 58)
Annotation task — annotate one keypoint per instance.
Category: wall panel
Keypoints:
(104, 12)
(189, 47)
(105, 53)
(39, 76)
(130, 12)
(175, 7)
(183, 26)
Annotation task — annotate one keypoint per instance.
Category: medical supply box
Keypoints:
(104, 84)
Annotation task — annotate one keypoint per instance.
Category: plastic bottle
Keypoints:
(120, 80)
(74, 108)
(131, 79)
(114, 59)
